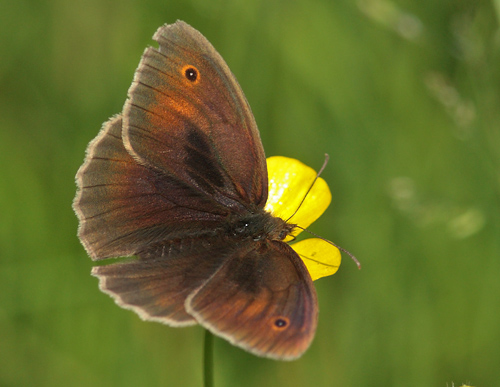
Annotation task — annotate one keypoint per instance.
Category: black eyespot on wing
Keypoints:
(281, 323)
(191, 74)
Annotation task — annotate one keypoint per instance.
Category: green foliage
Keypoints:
(403, 96)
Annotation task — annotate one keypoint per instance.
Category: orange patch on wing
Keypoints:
(169, 109)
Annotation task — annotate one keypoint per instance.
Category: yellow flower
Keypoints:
(289, 180)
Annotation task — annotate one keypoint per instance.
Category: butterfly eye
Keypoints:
(281, 323)
(283, 234)
(191, 74)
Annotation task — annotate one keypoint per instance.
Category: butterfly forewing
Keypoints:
(124, 206)
(199, 128)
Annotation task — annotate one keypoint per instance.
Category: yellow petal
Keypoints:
(289, 180)
(320, 257)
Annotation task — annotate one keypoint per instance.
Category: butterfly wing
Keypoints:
(187, 117)
(258, 296)
(157, 283)
(261, 299)
(124, 206)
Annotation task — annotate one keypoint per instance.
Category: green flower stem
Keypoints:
(208, 360)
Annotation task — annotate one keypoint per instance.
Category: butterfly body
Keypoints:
(179, 181)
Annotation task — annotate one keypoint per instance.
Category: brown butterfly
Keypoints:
(179, 180)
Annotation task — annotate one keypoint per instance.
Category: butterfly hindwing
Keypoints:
(258, 296)
(261, 299)
(156, 284)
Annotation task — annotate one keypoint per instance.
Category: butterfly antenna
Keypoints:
(333, 244)
(327, 157)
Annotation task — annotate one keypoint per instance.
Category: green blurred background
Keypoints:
(405, 98)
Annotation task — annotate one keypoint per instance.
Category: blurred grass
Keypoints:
(405, 98)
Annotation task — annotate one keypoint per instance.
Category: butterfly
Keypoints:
(179, 181)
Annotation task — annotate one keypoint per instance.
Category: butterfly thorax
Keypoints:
(259, 225)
